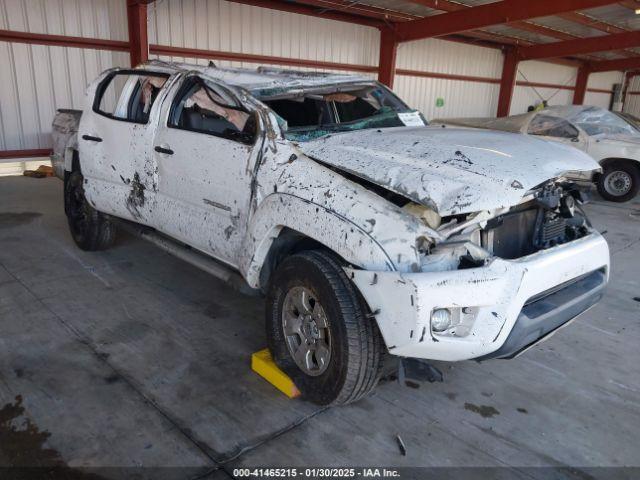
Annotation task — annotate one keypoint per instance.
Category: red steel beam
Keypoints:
(448, 6)
(387, 62)
(581, 85)
(301, 9)
(251, 58)
(591, 22)
(486, 15)
(34, 152)
(63, 41)
(581, 46)
(358, 9)
(508, 81)
(138, 38)
(596, 24)
(471, 78)
(620, 64)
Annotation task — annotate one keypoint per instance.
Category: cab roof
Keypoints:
(262, 81)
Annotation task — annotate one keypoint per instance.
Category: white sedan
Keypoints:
(610, 139)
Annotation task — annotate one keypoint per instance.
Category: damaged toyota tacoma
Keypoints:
(368, 231)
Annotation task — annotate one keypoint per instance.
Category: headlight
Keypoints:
(440, 319)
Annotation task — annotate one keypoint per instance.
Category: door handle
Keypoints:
(166, 151)
(91, 138)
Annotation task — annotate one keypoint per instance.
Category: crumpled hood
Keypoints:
(449, 170)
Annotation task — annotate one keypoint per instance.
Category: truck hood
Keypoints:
(449, 170)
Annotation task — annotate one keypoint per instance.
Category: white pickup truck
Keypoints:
(367, 230)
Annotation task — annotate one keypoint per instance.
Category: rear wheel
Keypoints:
(90, 229)
(318, 331)
(619, 182)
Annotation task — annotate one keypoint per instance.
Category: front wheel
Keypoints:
(619, 182)
(318, 331)
(90, 229)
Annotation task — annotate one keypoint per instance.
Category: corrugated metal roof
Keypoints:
(617, 15)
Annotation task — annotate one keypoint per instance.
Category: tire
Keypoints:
(619, 181)
(90, 229)
(352, 339)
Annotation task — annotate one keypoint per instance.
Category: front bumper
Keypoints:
(515, 303)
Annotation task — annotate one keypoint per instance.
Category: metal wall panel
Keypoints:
(442, 56)
(542, 72)
(605, 81)
(523, 97)
(461, 98)
(37, 79)
(232, 27)
(598, 99)
(105, 19)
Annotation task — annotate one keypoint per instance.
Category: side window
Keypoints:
(203, 108)
(548, 126)
(128, 96)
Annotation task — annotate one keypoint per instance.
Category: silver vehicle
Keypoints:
(609, 138)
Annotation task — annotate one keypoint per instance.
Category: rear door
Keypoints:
(206, 148)
(115, 143)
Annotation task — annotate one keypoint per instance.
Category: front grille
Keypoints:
(512, 235)
(530, 228)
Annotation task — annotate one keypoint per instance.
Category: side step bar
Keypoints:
(184, 252)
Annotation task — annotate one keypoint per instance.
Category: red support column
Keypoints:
(387, 62)
(508, 81)
(138, 39)
(581, 85)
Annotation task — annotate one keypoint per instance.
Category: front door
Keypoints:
(114, 140)
(205, 150)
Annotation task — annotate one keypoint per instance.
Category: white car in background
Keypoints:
(610, 139)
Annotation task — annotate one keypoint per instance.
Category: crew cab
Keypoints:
(367, 230)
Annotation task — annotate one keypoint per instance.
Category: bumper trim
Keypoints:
(545, 313)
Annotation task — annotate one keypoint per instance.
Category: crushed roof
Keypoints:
(261, 79)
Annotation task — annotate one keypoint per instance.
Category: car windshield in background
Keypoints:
(632, 119)
(598, 121)
(313, 114)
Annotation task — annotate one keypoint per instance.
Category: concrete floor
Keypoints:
(130, 357)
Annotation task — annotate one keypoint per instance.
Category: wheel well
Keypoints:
(75, 161)
(287, 243)
(608, 161)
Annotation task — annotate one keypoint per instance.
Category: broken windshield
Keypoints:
(594, 120)
(313, 114)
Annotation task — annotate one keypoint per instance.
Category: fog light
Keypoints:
(440, 319)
